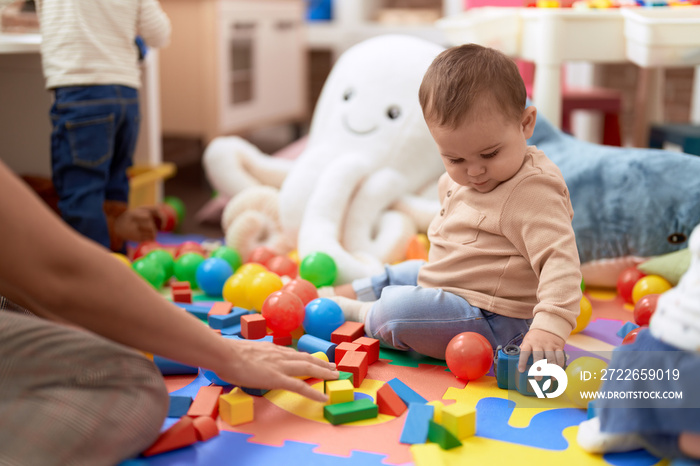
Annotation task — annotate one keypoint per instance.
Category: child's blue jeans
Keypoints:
(94, 135)
(426, 319)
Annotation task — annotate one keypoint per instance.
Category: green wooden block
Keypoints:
(342, 375)
(442, 436)
(357, 410)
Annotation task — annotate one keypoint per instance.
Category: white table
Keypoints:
(653, 38)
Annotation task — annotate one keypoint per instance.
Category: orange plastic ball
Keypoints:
(469, 355)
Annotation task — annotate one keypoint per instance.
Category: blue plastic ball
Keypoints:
(322, 317)
(211, 275)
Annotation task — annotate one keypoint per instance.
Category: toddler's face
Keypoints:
(486, 149)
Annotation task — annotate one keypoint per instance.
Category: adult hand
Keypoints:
(266, 365)
(541, 345)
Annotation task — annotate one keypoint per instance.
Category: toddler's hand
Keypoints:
(541, 345)
(139, 224)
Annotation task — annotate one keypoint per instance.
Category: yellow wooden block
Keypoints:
(340, 391)
(236, 407)
(460, 420)
(437, 410)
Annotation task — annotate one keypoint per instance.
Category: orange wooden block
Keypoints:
(389, 402)
(354, 362)
(205, 427)
(349, 331)
(282, 340)
(180, 434)
(206, 403)
(220, 308)
(370, 346)
(343, 348)
(182, 296)
(181, 286)
(253, 326)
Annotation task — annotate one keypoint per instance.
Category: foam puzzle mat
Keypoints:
(289, 429)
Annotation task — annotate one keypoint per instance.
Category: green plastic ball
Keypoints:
(186, 268)
(151, 271)
(179, 207)
(318, 268)
(165, 259)
(228, 254)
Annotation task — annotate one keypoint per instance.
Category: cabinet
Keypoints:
(233, 66)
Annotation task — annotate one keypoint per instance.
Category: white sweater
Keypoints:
(91, 42)
(677, 317)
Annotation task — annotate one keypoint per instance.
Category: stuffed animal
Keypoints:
(355, 192)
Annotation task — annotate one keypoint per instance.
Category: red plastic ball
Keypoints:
(261, 255)
(190, 246)
(283, 312)
(645, 308)
(304, 289)
(626, 282)
(469, 355)
(283, 265)
(144, 248)
(631, 336)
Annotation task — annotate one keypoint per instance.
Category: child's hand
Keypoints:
(541, 345)
(139, 224)
(266, 365)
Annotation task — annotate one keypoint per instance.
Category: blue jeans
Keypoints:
(406, 316)
(94, 135)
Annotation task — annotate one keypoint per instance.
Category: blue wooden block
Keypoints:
(626, 328)
(197, 310)
(179, 405)
(170, 367)
(232, 330)
(406, 393)
(311, 344)
(417, 424)
(236, 337)
(227, 320)
(255, 391)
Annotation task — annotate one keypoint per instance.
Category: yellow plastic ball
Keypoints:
(235, 290)
(650, 284)
(122, 258)
(583, 375)
(294, 255)
(261, 285)
(584, 316)
(251, 268)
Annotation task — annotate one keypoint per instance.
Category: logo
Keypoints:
(542, 369)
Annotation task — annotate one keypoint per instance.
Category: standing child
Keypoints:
(90, 61)
(649, 374)
(503, 260)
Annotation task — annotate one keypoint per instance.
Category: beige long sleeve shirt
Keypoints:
(511, 251)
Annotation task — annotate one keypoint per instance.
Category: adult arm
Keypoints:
(60, 275)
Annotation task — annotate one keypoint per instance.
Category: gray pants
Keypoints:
(70, 397)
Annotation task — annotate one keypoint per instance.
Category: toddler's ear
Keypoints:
(528, 121)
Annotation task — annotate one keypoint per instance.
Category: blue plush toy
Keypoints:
(629, 203)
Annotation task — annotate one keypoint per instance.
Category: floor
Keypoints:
(190, 183)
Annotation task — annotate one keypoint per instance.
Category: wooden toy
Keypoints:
(340, 391)
(342, 375)
(311, 344)
(181, 296)
(179, 405)
(205, 428)
(197, 310)
(343, 348)
(357, 410)
(349, 331)
(406, 393)
(370, 346)
(355, 362)
(236, 407)
(442, 436)
(180, 434)
(220, 308)
(460, 420)
(253, 326)
(389, 402)
(206, 402)
(169, 367)
(415, 427)
(437, 410)
(217, 321)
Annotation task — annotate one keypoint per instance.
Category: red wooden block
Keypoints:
(389, 402)
(370, 346)
(253, 326)
(343, 348)
(182, 296)
(349, 331)
(206, 403)
(356, 363)
(220, 308)
(180, 434)
(205, 428)
(181, 286)
(282, 340)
